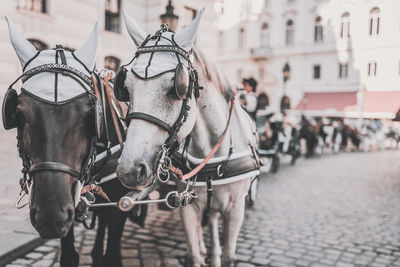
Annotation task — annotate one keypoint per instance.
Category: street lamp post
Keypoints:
(169, 17)
(285, 100)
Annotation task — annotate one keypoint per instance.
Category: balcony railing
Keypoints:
(260, 53)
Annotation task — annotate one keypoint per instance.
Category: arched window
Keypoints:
(39, 45)
(221, 42)
(374, 20)
(264, 37)
(241, 39)
(318, 30)
(345, 26)
(113, 10)
(111, 63)
(289, 36)
(262, 101)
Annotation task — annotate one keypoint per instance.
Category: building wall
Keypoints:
(357, 50)
(70, 22)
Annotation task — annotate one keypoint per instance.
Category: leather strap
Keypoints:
(114, 116)
(149, 118)
(96, 190)
(54, 166)
(198, 168)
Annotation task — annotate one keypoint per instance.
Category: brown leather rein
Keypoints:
(183, 177)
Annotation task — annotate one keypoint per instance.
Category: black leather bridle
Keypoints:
(171, 144)
(28, 169)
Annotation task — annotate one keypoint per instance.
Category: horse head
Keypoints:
(162, 100)
(54, 114)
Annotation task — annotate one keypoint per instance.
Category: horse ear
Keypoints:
(185, 38)
(134, 30)
(23, 48)
(87, 52)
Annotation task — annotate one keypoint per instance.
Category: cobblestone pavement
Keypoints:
(337, 210)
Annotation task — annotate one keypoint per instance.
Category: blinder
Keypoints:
(120, 90)
(9, 110)
(181, 81)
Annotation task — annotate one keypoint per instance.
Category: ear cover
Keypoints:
(99, 118)
(181, 81)
(120, 90)
(9, 109)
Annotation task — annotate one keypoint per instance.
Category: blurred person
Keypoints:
(248, 97)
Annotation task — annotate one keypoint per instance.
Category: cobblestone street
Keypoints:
(337, 210)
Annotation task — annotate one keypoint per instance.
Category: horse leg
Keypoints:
(203, 249)
(215, 245)
(191, 221)
(69, 256)
(98, 248)
(233, 220)
(115, 228)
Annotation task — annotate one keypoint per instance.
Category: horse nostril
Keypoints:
(140, 171)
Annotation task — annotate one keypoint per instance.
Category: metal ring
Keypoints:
(160, 172)
(168, 196)
(220, 173)
(18, 205)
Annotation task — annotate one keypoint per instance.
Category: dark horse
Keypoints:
(59, 121)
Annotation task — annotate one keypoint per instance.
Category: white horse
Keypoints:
(151, 91)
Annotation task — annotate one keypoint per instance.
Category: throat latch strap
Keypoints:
(54, 166)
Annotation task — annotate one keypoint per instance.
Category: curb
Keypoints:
(17, 244)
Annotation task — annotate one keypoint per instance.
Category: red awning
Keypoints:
(377, 104)
(337, 101)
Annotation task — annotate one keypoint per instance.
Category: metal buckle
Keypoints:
(163, 173)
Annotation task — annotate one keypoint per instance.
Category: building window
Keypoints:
(345, 26)
(318, 30)
(221, 43)
(316, 72)
(372, 66)
(111, 63)
(33, 5)
(264, 37)
(241, 39)
(113, 9)
(343, 70)
(289, 36)
(39, 45)
(374, 21)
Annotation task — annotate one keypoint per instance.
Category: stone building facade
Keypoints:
(330, 45)
(50, 22)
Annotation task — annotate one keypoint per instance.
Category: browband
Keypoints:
(56, 67)
(163, 48)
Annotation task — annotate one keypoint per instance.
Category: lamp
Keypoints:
(169, 17)
(286, 72)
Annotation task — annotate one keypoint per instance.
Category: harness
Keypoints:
(168, 161)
